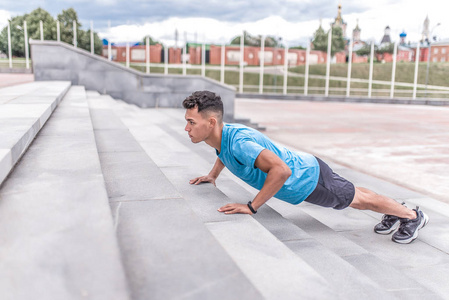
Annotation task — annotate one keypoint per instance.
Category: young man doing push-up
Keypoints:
(290, 176)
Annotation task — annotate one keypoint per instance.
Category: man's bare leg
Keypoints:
(367, 199)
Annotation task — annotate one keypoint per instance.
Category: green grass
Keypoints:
(405, 72)
(16, 63)
(438, 75)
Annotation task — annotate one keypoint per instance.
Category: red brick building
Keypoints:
(252, 55)
(440, 51)
(137, 53)
(404, 54)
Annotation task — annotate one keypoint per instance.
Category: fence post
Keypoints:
(262, 64)
(203, 59)
(328, 65)
(9, 45)
(306, 75)
(393, 71)
(127, 54)
(184, 61)
(415, 82)
(371, 64)
(41, 27)
(348, 82)
(27, 54)
(58, 31)
(147, 46)
(109, 42)
(285, 70)
(92, 37)
(74, 34)
(166, 60)
(242, 47)
(222, 70)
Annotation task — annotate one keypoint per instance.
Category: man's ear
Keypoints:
(212, 121)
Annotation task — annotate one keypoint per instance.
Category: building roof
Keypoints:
(404, 48)
(386, 39)
(444, 42)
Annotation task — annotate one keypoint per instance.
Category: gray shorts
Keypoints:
(332, 190)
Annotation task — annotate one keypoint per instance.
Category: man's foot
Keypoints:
(408, 229)
(388, 224)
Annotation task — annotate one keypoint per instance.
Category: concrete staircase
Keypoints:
(100, 207)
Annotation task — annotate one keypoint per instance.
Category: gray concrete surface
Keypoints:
(340, 246)
(57, 239)
(24, 109)
(403, 144)
(338, 98)
(169, 231)
(60, 61)
(347, 234)
(167, 251)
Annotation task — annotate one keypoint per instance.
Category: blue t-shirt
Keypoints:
(241, 145)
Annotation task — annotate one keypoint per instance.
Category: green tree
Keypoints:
(152, 41)
(33, 29)
(298, 47)
(320, 39)
(366, 50)
(33, 19)
(17, 37)
(386, 49)
(256, 41)
(66, 18)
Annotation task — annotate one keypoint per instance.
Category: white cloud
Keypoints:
(213, 31)
(4, 17)
(399, 15)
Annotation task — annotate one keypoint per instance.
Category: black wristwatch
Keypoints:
(251, 208)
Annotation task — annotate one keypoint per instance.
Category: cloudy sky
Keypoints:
(219, 21)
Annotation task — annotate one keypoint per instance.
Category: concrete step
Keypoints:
(24, 109)
(167, 251)
(259, 254)
(280, 227)
(343, 246)
(341, 251)
(57, 234)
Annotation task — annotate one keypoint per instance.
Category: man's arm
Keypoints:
(213, 174)
(277, 174)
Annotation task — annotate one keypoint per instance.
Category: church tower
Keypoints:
(402, 36)
(356, 32)
(339, 22)
(425, 30)
(386, 38)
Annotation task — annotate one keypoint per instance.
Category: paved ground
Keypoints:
(7, 79)
(404, 144)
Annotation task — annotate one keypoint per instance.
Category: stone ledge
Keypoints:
(25, 109)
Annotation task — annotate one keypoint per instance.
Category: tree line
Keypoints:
(65, 18)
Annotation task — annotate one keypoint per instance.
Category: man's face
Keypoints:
(198, 127)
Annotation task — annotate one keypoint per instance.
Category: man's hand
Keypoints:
(235, 208)
(203, 179)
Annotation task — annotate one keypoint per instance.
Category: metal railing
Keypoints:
(277, 72)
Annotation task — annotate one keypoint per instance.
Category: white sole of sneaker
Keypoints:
(386, 232)
(423, 223)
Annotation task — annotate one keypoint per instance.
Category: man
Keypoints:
(289, 176)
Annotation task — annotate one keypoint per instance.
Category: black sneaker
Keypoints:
(408, 230)
(388, 224)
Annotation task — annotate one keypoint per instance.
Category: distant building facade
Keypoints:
(440, 51)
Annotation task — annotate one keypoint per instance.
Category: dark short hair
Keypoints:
(206, 102)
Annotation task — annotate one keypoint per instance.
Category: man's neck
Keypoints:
(214, 139)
